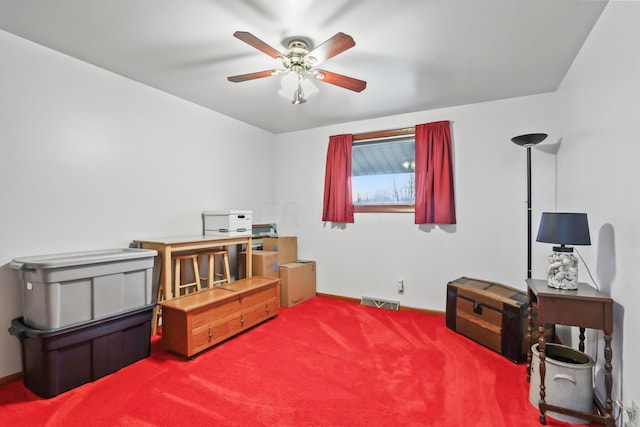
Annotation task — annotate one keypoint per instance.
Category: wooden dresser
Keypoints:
(194, 322)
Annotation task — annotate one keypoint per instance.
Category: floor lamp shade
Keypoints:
(529, 139)
(562, 228)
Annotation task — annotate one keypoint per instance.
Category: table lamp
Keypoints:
(563, 229)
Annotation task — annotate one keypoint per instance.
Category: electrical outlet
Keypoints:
(400, 286)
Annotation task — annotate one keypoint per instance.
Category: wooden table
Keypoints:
(166, 246)
(584, 307)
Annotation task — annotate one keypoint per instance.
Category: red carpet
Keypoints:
(325, 362)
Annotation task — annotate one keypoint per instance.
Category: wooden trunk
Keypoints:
(194, 322)
(492, 314)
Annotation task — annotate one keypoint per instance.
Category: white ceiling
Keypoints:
(414, 54)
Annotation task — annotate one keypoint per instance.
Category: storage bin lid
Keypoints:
(80, 258)
(227, 212)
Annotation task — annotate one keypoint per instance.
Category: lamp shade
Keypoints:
(309, 88)
(289, 83)
(529, 139)
(564, 228)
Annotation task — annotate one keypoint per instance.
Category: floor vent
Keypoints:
(380, 303)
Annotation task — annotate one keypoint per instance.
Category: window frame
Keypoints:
(384, 134)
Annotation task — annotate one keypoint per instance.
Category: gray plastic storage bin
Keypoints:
(64, 289)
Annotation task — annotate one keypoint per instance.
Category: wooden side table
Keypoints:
(584, 307)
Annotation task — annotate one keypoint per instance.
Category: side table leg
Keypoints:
(607, 373)
(581, 337)
(543, 371)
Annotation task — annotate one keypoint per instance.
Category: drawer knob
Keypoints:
(267, 307)
(242, 318)
(210, 334)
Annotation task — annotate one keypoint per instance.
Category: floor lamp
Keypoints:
(528, 141)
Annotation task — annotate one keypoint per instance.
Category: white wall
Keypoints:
(489, 242)
(91, 160)
(591, 122)
(598, 171)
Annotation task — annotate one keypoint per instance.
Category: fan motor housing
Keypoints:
(298, 42)
(298, 48)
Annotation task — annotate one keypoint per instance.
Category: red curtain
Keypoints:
(338, 205)
(435, 202)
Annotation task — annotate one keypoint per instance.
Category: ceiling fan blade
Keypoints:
(340, 80)
(251, 76)
(330, 48)
(252, 40)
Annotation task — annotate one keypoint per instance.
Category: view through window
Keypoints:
(383, 172)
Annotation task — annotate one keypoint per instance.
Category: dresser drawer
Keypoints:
(208, 334)
(211, 314)
(214, 329)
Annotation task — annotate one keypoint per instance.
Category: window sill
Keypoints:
(384, 208)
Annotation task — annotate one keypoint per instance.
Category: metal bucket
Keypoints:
(568, 380)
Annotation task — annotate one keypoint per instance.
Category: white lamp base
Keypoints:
(563, 271)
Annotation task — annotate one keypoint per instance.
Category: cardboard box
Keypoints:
(287, 248)
(263, 263)
(297, 282)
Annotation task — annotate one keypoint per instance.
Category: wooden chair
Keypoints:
(212, 278)
(157, 310)
(179, 274)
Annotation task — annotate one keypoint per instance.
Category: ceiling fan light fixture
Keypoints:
(297, 62)
(298, 96)
(305, 90)
(296, 88)
(309, 88)
(284, 61)
(289, 84)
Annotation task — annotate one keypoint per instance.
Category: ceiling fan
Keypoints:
(298, 61)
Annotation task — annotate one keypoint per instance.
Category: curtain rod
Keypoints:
(384, 133)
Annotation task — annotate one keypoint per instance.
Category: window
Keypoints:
(382, 176)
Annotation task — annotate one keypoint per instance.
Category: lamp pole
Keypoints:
(528, 141)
